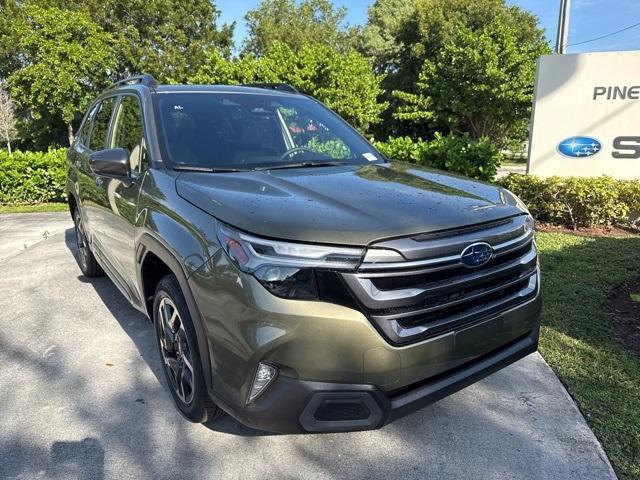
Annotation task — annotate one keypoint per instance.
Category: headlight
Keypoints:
(286, 269)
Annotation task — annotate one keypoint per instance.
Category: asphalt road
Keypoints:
(83, 396)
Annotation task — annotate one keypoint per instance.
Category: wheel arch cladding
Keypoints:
(156, 260)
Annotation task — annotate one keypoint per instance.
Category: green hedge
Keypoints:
(458, 154)
(32, 177)
(578, 202)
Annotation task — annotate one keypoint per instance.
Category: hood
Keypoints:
(346, 205)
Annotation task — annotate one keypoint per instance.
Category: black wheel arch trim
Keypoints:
(147, 244)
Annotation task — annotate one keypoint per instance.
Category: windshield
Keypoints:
(244, 131)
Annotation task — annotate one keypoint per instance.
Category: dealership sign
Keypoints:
(586, 116)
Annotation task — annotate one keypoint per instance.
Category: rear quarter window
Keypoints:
(101, 121)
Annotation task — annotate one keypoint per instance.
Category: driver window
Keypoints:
(127, 130)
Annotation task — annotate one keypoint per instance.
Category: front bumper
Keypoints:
(336, 371)
(298, 406)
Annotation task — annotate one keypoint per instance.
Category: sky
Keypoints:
(588, 19)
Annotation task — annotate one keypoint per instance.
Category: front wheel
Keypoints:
(88, 263)
(177, 343)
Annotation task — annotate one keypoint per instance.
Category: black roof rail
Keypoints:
(283, 87)
(145, 79)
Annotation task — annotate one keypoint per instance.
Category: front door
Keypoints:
(118, 229)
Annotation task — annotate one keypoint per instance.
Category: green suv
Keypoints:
(296, 278)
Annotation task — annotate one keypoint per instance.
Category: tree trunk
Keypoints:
(9, 148)
(70, 133)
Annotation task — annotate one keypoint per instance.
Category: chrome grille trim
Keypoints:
(373, 297)
(454, 260)
(453, 303)
(418, 298)
(421, 330)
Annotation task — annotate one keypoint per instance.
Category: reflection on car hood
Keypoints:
(349, 205)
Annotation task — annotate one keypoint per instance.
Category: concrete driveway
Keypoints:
(83, 396)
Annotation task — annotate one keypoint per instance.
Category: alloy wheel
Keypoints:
(81, 240)
(175, 349)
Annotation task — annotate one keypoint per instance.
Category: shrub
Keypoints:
(334, 148)
(458, 154)
(32, 177)
(578, 202)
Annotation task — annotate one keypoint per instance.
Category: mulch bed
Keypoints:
(625, 315)
(591, 232)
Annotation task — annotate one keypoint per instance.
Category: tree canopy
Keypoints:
(480, 82)
(401, 37)
(417, 68)
(297, 24)
(166, 38)
(65, 59)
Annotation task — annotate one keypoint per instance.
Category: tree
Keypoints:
(9, 54)
(166, 38)
(344, 83)
(480, 82)
(7, 119)
(381, 36)
(298, 24)
(402, 36)
(66, 60)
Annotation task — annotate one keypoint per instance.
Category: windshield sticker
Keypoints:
(370, 156)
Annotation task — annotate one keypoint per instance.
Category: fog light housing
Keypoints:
(263, 378)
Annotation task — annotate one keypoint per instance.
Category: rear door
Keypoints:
(90, 186)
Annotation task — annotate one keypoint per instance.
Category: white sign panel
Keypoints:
(586, 116)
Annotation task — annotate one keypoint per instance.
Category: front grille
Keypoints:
(421, 288)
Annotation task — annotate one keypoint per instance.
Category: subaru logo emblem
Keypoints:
(476, 254)
(578, 147)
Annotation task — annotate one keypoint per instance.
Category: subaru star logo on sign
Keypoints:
(578, 147)
(476, 254)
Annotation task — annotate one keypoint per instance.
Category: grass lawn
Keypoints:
(577, 342)
(39, 207)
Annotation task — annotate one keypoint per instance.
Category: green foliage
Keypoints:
(480, 82)
(401, 37)
(66, 59)
(577, 202)
(296, 24)
(166, 38)
(380, 42)
(32, 177)
(333, 148)
(345, 83)
(458, 154)
(57, 55)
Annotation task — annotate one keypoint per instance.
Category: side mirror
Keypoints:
(113, 162)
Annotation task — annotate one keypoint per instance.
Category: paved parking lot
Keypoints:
(83, 396)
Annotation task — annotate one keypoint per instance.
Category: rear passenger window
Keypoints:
(85, 128)
(101, 124)
(127, 130)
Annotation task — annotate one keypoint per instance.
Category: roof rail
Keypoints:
(283, 87)
(145, 79)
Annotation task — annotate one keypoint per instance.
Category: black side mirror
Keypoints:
(113, 162)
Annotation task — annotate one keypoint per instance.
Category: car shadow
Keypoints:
(138, 326)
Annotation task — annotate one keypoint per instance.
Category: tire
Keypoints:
(178, 347)
(88, 263)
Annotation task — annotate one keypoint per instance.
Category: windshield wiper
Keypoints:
(196, 168)
(301, 165)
